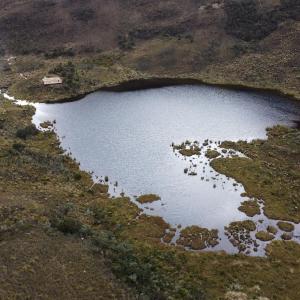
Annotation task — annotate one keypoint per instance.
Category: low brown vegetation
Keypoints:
(197, 238)
(271, 173)
(250, 208)
(59, 239)
(149, 198)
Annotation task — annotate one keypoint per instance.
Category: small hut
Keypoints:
(52, 80)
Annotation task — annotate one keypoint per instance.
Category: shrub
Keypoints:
(85, 231)
(144, 271)
(69, 73)
(24, 133)
(59, 52)
(103, 240)
(2, 121)
(284, 226)
(100, 215)
(77, 176)
(248, 21)
(245, 22)
(68, 225)
(18, 147)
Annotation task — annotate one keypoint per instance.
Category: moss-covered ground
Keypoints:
(239, 235)
(285, 226)
(250, 208)
(197, 238)
(149, 198)
(264, 236)
(187, 148)
(210, 154)
(271, 171)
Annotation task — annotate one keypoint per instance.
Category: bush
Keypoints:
(248, 21)
(26, 132)
(59, 52)
(245, 22)
(77, 176)
(18, 147)
(68, 225)
(2, 121)
(99, 214)
(103, 240)
(69, 74)
(85, 231)
(144, 271)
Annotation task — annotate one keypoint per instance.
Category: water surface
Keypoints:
(127, 136)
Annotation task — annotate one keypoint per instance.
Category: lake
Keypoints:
(127, 136)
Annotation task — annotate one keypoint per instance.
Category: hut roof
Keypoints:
(52, 80)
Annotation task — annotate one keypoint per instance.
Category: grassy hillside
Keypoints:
(251, 43)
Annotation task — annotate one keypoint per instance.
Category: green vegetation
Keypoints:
(67, 225)
(187, 148)
(286, 236)
(212, 154)
(69, 74)
(288, 227)
(60, 238)
(249, 20)
(159, 41)
(61, 234)
(99, 189)
(264, 236)
(198, 238)
(239, 235)
(169, 236)
(28, 131)
(148, 198)
(270, 173)
(250, 208)
(272, 229)
(46, 124)
(80, 75)
(59, 52)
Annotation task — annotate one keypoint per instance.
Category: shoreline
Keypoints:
(159, 82)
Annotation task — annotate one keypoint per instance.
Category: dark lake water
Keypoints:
(127, 136)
